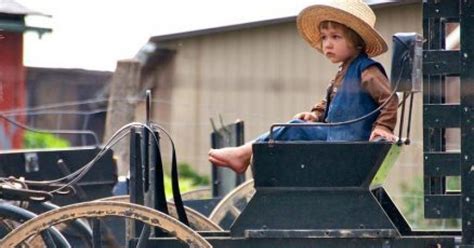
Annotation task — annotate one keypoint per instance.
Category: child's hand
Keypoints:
(381, 132)
(306, 116)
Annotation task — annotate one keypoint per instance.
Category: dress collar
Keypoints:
(344, 65)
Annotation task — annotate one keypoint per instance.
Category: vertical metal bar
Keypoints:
(146, 147)
(239, 138)
(214, 172)
(467, 118)
(402, 116)
(96, 234)
(145, 159)
(146, 150)
(410, 108)
(152, 180)
(145, 155)
(148, 107)
(136, 182)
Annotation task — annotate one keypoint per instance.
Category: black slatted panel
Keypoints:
(441, 115)
(442, 164)
(442, 206)
(437, 62)
(467, 132)
(437, 9)
(437, 115)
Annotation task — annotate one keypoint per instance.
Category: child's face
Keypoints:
(335, 45)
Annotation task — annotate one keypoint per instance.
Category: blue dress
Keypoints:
(350, 102)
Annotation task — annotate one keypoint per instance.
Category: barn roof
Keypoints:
(373, 3)
(13, 8)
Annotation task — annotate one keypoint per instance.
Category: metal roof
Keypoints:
(9, 9)
(13, 8)
(373, 3)
(20, 27)
(222, 29)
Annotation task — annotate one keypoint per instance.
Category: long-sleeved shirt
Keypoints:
(377, 85)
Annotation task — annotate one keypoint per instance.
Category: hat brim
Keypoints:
(310, 18)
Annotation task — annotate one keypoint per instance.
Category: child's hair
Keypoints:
(349, 34)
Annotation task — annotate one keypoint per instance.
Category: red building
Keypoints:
(12, 72)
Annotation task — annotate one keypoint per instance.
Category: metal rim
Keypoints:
(19, 215)
(226, 205)
(201, 193)
(102, 209)
(197, 221)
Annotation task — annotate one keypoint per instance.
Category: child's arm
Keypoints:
(378, 86)
(319, 110)
(315, 115)
(306, 116)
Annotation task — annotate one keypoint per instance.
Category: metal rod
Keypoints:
(402, 119)
(148, 107)
(145, 152)
(136, 184)
(410, 110)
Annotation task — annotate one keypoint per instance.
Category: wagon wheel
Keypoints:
(230, 207)
(76, 229)
(97, 209)
(197, 221)
(7, 226)
(13, 216)
(201, 193)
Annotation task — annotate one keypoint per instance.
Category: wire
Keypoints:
(80, 173)
(57, 131)
(57, 105)
(83, 171)
(58, 112)
(53, 131)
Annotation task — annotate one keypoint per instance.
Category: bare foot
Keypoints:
(236, 158)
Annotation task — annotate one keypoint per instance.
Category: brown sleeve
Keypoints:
(378, 86)
(319, 109)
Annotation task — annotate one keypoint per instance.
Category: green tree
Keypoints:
(188, 180)
(33, 140)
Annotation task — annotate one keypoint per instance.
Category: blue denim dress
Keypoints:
(350, 102)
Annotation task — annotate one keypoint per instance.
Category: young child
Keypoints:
(343, 31)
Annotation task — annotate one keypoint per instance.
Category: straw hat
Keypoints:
(355, 14)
